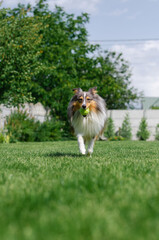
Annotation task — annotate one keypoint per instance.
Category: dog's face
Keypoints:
(84, 99)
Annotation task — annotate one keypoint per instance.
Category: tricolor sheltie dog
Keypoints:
(88, 127)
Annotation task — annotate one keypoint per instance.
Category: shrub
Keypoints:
(116, 138)
(143, 133)
(21, 127)
(50, 130)
(4, 138)
(1, 138)
(155, 107)
(157, 133)
(125, 130)
(110, 128)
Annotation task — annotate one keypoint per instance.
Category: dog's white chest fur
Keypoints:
(89, 126)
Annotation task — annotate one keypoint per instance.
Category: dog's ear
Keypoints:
(77, 90)
(93, 90)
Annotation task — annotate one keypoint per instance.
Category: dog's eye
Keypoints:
(89, 99)
(79, 100)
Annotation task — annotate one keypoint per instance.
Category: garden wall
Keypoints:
(35, 110)
(152, 117)
(39, 112)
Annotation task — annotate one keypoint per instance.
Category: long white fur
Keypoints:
(81, 144)
(90, 146)
(89, 126)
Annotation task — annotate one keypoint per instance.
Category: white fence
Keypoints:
(35, 110)
(152, 116)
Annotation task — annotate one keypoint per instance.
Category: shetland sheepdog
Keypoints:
(88, 127)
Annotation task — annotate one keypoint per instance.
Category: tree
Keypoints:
(125, 131)
(143, 133)
(110, 128)
(19, 38)
(113, 77)
(66, 56)
(45, 54)
(73, 62)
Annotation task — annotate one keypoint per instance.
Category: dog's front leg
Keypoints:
(81, 144)
(90, 146)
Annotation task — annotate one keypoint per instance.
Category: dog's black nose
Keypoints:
(84, 106)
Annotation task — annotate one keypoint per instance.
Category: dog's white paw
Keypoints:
(83, 152)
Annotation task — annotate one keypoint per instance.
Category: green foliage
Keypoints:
(4, 138)
(110, 128)
(20, 38)
(21, 127)
(66, 55)
(116, 138)
(155, 107)
(113, 78)
(50, 130)
(125, 130)
(157, 133)
(143, 133)
(45, 54)
(1, 138)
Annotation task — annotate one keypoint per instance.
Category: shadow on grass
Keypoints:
(62, 154)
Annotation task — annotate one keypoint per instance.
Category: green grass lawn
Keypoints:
(48, 191)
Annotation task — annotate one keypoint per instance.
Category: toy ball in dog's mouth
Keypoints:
(84, 112)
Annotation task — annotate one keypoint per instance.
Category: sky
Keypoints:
(127, 26)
